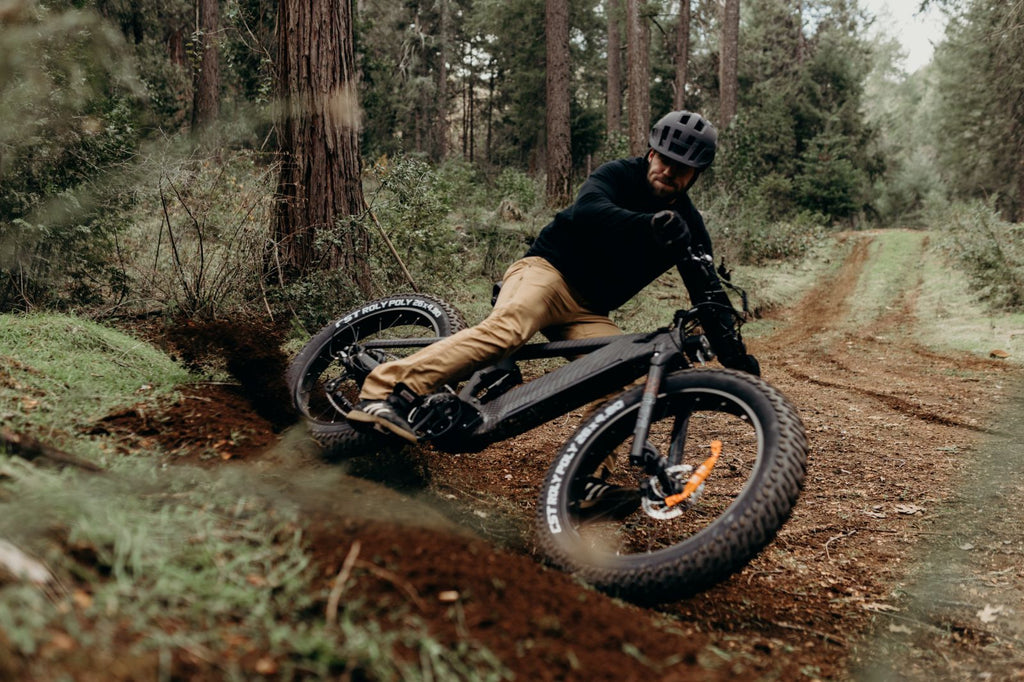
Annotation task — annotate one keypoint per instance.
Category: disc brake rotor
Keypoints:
(656, 508)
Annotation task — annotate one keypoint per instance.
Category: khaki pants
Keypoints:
(533, 298)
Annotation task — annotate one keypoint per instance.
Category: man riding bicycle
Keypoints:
(631, 222)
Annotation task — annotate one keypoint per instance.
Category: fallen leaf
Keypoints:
(256, 580)
(875, 606)
(900, 629)
(266, 666)
(989, 613)
(908, 509)
(82, 599)
(62, 642)
(22, 566)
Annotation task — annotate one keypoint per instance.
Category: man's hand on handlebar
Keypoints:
(670, 229)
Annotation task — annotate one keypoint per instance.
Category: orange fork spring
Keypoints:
(698, 476)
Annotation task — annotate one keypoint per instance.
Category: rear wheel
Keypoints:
(664, 550)
(324, 383)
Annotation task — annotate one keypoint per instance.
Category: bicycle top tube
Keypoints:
(531, 351)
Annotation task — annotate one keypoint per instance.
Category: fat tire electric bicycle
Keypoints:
(717, 457)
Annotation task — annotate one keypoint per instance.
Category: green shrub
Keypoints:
(518, 187)
(989, 249)
(411, 205)
(753, 230)
(200, 232)
(65, 119)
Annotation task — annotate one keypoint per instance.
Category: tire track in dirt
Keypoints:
(821, 309)
(894, 428)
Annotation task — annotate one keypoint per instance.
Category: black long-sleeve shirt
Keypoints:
(605, 247)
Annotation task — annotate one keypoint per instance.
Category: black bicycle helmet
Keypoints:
(685, 137)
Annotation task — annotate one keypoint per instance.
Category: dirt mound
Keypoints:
(250, 351)
(212, 421)
(538, 622)
(205, 423)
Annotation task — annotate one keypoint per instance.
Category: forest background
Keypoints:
(194, 158)
(178, 162)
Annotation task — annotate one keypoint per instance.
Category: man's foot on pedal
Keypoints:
(602, 499)
(383, 416)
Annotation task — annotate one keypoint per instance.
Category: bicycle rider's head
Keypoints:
(682, 145)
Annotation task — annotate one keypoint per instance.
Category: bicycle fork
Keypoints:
(642, 454)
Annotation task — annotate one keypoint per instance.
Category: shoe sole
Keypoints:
(382, 425)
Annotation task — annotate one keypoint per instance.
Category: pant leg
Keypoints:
(584, 325)
(533, 296)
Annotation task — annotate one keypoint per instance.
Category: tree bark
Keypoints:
(613, 100)
(728, 62)
(319, 183)
(559, 152)
(441, 143)
(206, 89)
(638, 58)
(682, 57)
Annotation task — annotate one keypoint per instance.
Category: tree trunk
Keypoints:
(441, 144)
(728, 62)
(559, 152)
(613, 101)
(682, 57)
(206, 89)
(639, 78)
(319, 182)
(801, 44)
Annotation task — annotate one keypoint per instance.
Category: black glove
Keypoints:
(670, 229)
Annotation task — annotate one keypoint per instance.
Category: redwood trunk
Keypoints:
(682, 56)
(206, 91)
(729, 60)
(559, 152)
(613, 114)
(639, 78)
(319, 184)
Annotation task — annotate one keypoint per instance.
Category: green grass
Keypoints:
(60, 373)
(169, 559)
(951, 317)
(891, 270)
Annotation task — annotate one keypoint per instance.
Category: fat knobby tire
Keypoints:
(722, 547)
(336, 436)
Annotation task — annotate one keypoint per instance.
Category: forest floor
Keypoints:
(902, 560)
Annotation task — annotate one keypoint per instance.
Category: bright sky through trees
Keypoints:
(917, 32)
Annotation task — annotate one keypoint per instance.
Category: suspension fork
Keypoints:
(640, 455)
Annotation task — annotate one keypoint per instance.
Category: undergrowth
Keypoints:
(989, 249)
(165, 569)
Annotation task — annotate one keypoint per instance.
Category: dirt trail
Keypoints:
(892, 428)
(894, 559)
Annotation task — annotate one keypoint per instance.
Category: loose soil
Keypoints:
(902, 559)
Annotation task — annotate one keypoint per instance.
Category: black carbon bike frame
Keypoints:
(495, 405)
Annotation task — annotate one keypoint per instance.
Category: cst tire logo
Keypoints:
(389, 304)
(558, 478)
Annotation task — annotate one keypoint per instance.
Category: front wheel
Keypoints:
(323, 379)
(653, 551)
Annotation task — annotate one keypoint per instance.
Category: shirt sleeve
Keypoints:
(602, 201)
